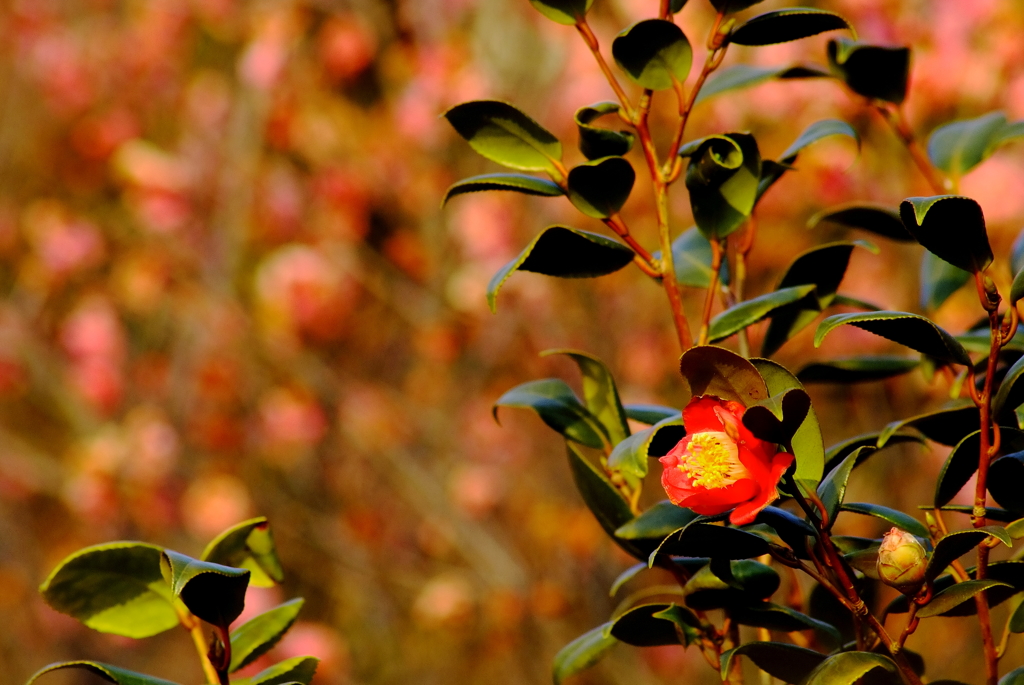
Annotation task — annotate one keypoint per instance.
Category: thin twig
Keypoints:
(595, 48)
(716, 265)
(894, 116)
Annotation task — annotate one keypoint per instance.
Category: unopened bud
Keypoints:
(902, 561)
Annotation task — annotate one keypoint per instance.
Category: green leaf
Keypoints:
(1016, 529)
(722, 177)
(819, 130)
(788, 663)
(866, 216)
(781, 618)
(1005, 476)
(1017, 288)
(658, 521)
(654, 53)
(730, 6)
(873, 71)
(113, 674)
(650, 413)
(833, 487)
(807, 444)
(600, 496)
(897, 518)
(630, 455)
(782, 26)
(1010, 394)
(1016, 625)
(641, 628)
(749, 312)
(746, 76)
(836, 453)
(626, 576)
(963, 462)
(600, 395)
(945, 426)
(503, 134)
(823, 267)
(980, 340)
(939, 280)
(257, 636)
(730, 584)
(698, 539)
(950, 226)
(600, 188)
(583, 652)
(911, 330)
(691, 257)
(595, 142)
(711, 370)
(959, 146)
(958, 543)
(857, 369)
(777, 418)
(846, 668)
(1014, 677)
(213, 592)
(113, 588)
(566, 12)
(520, 183)
(249, 544)
(566, 253)
(558, 406)
(298, 669)
(688, 626)
(955, 595)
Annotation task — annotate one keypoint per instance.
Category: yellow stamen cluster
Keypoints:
(712, 460)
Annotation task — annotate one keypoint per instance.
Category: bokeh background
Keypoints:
(227, 289)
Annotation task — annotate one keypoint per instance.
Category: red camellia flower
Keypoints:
(720, 465)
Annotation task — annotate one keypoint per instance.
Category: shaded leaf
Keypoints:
(912, 330)
(249, 544)
(566, 12)
(730, 584)
(781, 618)
(951, 227)
(962, 462)
(299, 669)
(600, 395)
(213, 592)
(558, 406)
(807, 444)
(653, 53)
(722, 177)
(1017, 288)
(749, 312)
(730, 6)
(959, 146)
(583, 652)
(711, 370)
(777, 418)
(836, 453)
(846, 668)
(788, 663)
(957, 594)
(639, 627)
(503, 134)
(1005, 477)
(630, 455)
(624, 577)
(1010, 394)
(782, 26)
(897, 518)
(566, 253)
(871, 70)
(658, 521)
(520, 183)
(857, 369)
(600, 188)
(747, 76)
(956, 544)
(257, 636)
(833, 487)
(875, 218)
(601, 497)
(691, 257)
(944, 426)
(113, 674)
(650, 413)
(699, 539)
(1014, 677)
(819, 130)
(595, 142)
(939, 280)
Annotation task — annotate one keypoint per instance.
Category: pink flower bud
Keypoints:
(902, 561)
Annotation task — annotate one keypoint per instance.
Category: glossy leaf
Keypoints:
(558, 406)
(299, 669)
(626, 576)
(777, 418)
(729, 584)
(944, 426)
(873, 71)
(711, 370)
(249, 544)
(939, 280)
(658, 521)
(257, 636)
(583, 652)
(747, 76)
(730, 6)
(691, 257)
(846, 668)
(781, 618)
(1010, 394)
(807, 444)
(955, 595)
(600, 395)
(782, 26)
(789, 663)
(639, 627)
(600, 188)
(213, 592)
(520, 183)
(956, 544)
(596, 142)
(897, 518)
(959, 146)
(566, 253)
(1005, 477)
(836, 453)
(650, 413)
(112, 674)
(503, 134)
(700, 539)
(654, 53)
(912, 330)
(749, 312)
(874, 218)
(600, 496)
(722, 177)
(630, 455)
(951, 227)
(114, 588)
(962, 462)
(566, 12)
(857, 369)
(819, 130)
(833, 487)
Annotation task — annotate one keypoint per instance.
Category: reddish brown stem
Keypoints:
(595, 48)
(716, 265)
(894, 116)
(644, 259)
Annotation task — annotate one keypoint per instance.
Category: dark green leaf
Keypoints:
(658, 521)
(833, 487)
(688, 626)
(836, 453)
(749, 312)
(730, 6)
(249, 544)
(980, 340)
(583, 652)
(112, 674)
(257, 636)
(600, 496)
(956, 544)
(520, 183)
(600, 188)
(819, 130)
(650, 413)
(639, 627)
(746, 76)
(600, 395)
(1005, 477)
(654, 53)
(959, 146)
(848, 301)
(897, 518)
(945, 426)
(1016, 622)
(777, 617)
(734, 583)
(691, 257)
(939, 280)
(877, 219)
(711, 370)
(299, 669)
(699, 539)
(213, 592)
(782, 26)
(807, 444)
(846, 668)
(950, 226)
(955, 595)
(788, 663)
(857, 369)
(626, 576)
(113, 588)
(630, 455)
(1017, 253)
(566, 253)
(912, 330)
(503, 134)
(558, 406)
(566, 12)
(792, 529)
(1017, 288)
(1014, 677)
(595, 142)
(871, 70)
(963, 462)
(1010, 394)
(777, 418)
(722, 177)
(992, 513)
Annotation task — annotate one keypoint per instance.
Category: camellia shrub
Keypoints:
(753, 493)
(138, 590)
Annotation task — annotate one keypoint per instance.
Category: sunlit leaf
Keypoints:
(654, 53)
(749, 312)
(558, 406)
(257, 636)
(722, 177)
(600, 395)
(781, 26)
(596, 142)
(600, 188)
(249, 544)
(807, 444)
(520, 183)
(912, 330)
(583, 652)
(846, 668)
(711, 370)
(955, 595)
(112, 674)
(897, 518)
(566, 12)
(505, 135)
